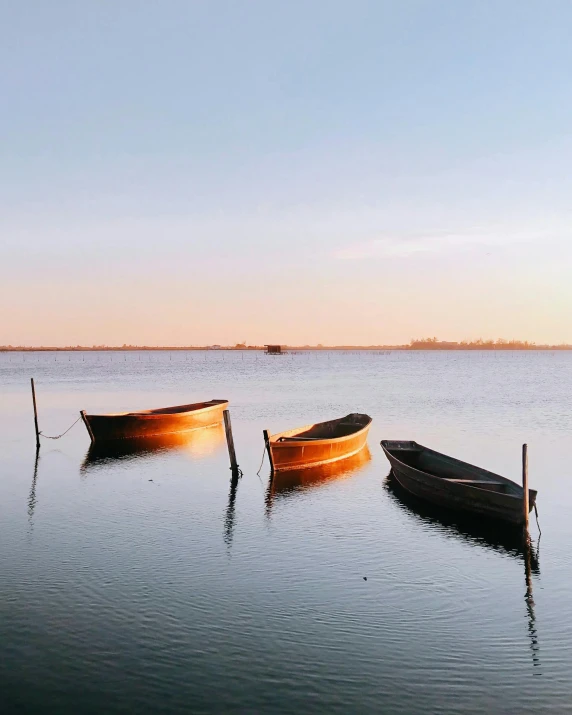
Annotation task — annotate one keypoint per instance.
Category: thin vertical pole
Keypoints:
(230, 442)
(35, 414)
(267, 443)
(525, 505)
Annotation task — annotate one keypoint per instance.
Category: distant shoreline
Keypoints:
(448, 347)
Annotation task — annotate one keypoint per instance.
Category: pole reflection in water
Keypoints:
(196, 443)
(229, 516)
(530, 559)
(32, 496)
(295, 481)
(488, 534)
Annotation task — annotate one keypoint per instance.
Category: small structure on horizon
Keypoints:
(274, 350)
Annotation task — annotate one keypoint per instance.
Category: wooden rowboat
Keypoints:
(320, 443)
(453, 484)
(149, 423)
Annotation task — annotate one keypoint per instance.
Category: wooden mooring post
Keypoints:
(267, 443)
(35, 414)
(230, 443)
(525, 504)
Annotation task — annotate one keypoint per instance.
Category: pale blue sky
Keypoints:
(187, 172)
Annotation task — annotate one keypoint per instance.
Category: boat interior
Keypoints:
(181, 408)
(177, 409)
(450, 469)
(350, 424)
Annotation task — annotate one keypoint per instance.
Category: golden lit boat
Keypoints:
(320, 443)
(149, 423)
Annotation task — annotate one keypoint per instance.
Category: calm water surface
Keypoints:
(147, 582)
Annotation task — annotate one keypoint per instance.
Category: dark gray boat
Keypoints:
(453, 484)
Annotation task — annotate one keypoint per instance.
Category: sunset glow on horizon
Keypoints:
(189, 174)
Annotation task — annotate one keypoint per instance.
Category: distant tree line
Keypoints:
(480, 344)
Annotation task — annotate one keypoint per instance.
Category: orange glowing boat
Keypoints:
(150, 423)
(319, 443)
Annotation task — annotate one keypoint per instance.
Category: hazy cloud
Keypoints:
(404, 246)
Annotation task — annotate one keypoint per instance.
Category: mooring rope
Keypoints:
(537, 524)
(261, 463)
(47, 436)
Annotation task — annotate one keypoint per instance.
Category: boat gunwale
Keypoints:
(153, 414)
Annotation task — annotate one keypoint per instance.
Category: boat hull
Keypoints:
(293, 454)
(458, 496)
(170, 420)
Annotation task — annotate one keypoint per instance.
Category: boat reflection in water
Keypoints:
(503, 538)
(285, 484)
(196, 443)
